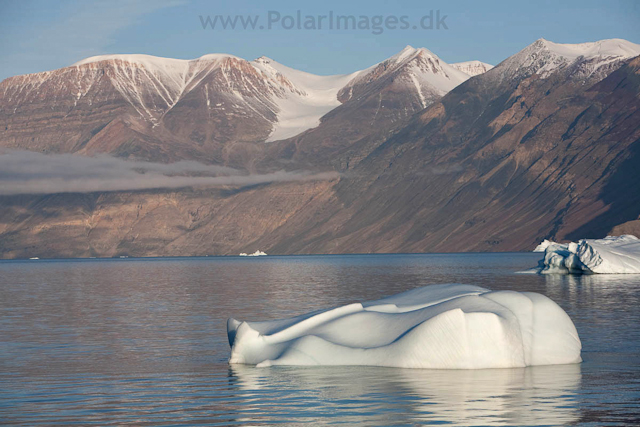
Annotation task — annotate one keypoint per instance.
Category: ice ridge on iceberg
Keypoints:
(611, 255)
(438, 327)
(545, 244)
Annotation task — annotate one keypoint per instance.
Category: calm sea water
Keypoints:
(143, 342)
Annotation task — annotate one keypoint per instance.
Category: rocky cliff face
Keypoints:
(155, 223)
(504, 160)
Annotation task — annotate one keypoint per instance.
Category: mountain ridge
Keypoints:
(540, 146)
(153, 86)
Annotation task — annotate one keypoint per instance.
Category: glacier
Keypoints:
(611, 255)
(450, 326)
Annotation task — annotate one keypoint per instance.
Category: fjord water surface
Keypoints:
(143, 342)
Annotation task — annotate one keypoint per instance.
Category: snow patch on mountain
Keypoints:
(472, 68)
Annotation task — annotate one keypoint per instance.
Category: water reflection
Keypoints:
(542, 395)
(604, 283)
(598, 303)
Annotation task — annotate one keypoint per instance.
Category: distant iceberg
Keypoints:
(437, 327)
(256, 253)
(611, 255)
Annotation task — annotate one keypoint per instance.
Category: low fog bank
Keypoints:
(26, 172)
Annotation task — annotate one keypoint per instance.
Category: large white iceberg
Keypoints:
(438, 327)
(611, 255)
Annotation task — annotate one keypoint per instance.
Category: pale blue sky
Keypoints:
(38, 35)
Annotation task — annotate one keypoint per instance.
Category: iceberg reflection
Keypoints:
(540, 395)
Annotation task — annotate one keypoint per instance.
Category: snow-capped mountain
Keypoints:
(163, 108)
(152, 85)
(472, 68)
(585, 61)
(418, 71)
(100, 103)
(544, 145)
(374, 103)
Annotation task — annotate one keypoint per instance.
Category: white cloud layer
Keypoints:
(25, 172)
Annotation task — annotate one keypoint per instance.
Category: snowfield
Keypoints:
(611, 255)
(301, 109)
(438, 327)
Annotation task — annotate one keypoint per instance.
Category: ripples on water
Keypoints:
(143, 342)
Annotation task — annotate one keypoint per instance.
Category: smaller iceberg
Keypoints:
(435, 327)
(611, 255)
(256, 253)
